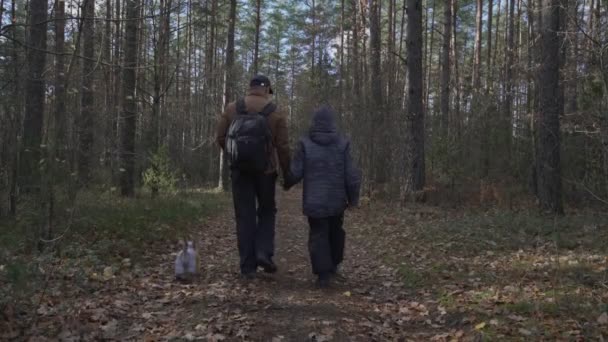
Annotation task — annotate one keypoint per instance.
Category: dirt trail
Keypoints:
(370, 304)
(143, 302)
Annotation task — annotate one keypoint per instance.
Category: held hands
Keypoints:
(288, 181)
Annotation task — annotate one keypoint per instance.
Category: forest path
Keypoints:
(139, 300)
(369, 304)
(415, 273)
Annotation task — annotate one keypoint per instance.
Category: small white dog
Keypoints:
(187, 262)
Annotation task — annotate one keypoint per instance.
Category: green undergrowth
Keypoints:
(521, 273)
(95, 230)
(474, 232)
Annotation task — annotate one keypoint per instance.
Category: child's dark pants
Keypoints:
(326, 243)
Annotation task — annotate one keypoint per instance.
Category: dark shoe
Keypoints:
(267, 265)
(248, 276)
(323, 281)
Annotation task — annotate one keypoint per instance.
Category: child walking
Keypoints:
(331, 184)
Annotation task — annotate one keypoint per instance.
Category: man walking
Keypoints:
(253, 133)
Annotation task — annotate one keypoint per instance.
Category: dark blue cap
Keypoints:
(260, 81)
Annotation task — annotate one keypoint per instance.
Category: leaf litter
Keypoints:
(401, 284)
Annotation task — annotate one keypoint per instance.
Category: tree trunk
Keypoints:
(457, 83)
(356, 61)
(415, 109)
(430, 57)
(477, 52)
(342, 70)
(35, 95)
(390, 57)
(86, 120)
(549, 176)
(445, 69)
(228, 88)
(127, 153)
(489, 43)
(15, 120)
(60, 106)
(495, 51)
(574, 60)
(377, 120)
(258, 20)
(508, 115)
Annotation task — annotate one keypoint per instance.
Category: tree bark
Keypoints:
(228, 88)
(430, 57)
(377, 121)
(256, 53)
(508, 115)
(356, 60)
(35, 95)
(415, 109)
(86, 120)
(457, 83)
(127, 153)
(60, 105)
(445, 69)
(489, 43)
(549, 176)
(477, 52)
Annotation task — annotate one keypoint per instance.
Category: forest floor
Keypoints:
(414, 274)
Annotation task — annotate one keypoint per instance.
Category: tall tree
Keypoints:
(477, 53)
(457, 83)
(129, 112)
(376, 93)
(415, 109)
(429, 57)
(87, 99)
(35, 94)
(445, 68)
(60, 105)
(509, 60)
(489, 45)
(375, 47)
(161, 50)
(258, 20)
(549, 163)
(228, 86)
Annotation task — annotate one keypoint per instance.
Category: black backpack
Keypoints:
(249, 139)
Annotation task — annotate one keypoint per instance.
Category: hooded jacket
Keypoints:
(323, 161)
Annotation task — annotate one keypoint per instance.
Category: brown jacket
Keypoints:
(256, 100)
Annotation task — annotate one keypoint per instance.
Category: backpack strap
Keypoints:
(268, 109)
(241, 108)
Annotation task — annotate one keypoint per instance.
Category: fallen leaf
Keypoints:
(603, 319)
(108, 273)
(110, 329)
(347, 293)
(480, 326)
(525, 332)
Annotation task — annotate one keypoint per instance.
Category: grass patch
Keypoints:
(100, 229)
(413, 278)
(476, 232)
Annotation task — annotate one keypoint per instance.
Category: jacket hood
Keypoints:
(323, 129)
